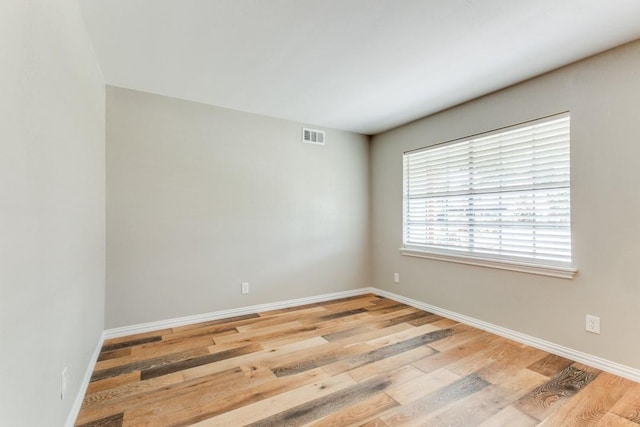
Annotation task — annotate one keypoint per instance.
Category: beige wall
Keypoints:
(603, 96)
(51, 208)
(200, 199)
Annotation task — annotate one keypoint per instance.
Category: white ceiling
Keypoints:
(359, 65)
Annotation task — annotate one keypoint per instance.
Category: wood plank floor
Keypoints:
(361, 361)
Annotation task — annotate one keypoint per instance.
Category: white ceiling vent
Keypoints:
(313, 136)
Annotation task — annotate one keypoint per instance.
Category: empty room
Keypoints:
(319, 213)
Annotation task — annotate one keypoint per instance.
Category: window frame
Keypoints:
(526, 265)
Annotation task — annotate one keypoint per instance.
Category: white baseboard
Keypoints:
(215, 315)
(77, 403)
(569, 353)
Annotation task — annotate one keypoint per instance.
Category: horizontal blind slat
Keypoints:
(506, 193)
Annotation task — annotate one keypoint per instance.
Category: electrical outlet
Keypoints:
(396, 277)
(245, 287)
(593, 324)
(63, 383)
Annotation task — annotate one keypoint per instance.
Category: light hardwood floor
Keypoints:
(362, 361)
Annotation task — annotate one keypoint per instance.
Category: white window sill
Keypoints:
(523, 267)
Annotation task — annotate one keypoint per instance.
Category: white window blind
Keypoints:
(503, 195)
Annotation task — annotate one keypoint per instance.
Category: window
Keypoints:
(499, 199)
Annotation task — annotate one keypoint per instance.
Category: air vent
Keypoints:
(313, 136)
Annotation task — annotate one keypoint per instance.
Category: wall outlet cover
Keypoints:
(592, 324)
(63, 383)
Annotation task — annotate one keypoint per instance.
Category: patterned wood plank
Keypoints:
(489, 401)
(423, 384)
(266, 358)
(198, 405)
(156, 371)
(420, 410)
(322, 406)
(147, 351)
(613, 420)
(628, 406)
(131, 343)
(371, 369)
(364, 358)
(266, 408)
(359, 412)
(550, 365)
(375, 423)
(543, 400)
(509, 417)
(110, 421)
(147, 364)
(597, 398)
